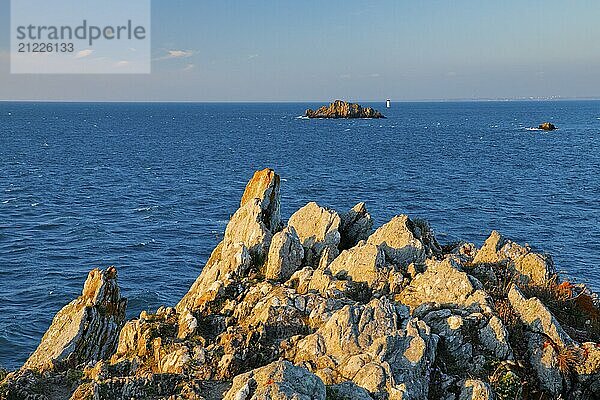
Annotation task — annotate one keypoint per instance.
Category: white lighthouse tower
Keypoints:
(388, 103)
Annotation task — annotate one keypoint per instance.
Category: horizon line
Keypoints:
(442, 100)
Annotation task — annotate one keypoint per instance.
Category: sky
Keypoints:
(236, 50)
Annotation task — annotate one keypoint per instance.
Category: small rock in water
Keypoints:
(547, 126)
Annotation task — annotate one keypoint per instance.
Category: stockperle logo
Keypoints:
(80, 37)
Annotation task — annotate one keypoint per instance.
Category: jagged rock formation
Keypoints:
(343, 109)
(86, 329)
(324, 308)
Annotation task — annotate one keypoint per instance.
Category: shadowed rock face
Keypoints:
(264, 186)
(324, 308)
(356, 225)
(87, 329)
(343, 109)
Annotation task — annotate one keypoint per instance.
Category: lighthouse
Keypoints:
(388, 103)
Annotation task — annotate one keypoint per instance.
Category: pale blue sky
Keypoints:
(312, 50)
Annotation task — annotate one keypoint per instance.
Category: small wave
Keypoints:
(48, 226)
(533, 129)
(143, 300)
(142, 244)
(302, 117)
(35, 204)
(145, 209)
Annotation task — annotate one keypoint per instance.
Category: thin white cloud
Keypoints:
(176, 54)
(180, 53)
(84, 53)
(122, 63)
(252, 56)
(188, 67)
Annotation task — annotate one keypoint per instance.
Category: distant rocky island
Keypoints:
(343, 109)
(547, 126)
(323, 307)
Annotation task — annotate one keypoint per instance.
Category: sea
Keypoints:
(149, 187)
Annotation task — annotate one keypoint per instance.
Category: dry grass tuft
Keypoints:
(567, 358)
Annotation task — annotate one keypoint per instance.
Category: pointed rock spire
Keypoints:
(87, 329)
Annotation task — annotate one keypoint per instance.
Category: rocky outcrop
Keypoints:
(536, 316)
(277, 381)
(547, 126)
(318, 230)
(401, 241)
(225, 263)
(546, 339)
(246, 241)
(363, 263)
(526, 266)
(376, 346)
(86, 330)
(343, 109)
(324, 308)
(285, 255)
(445, 284)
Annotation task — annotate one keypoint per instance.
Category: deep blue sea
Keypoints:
(149, 188)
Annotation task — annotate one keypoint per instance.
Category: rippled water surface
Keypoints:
(149, 187)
